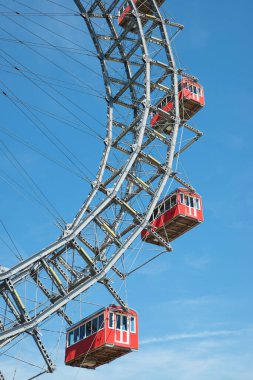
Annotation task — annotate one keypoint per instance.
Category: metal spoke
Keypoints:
(136, 164)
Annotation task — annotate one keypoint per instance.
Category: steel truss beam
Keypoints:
(127, 183)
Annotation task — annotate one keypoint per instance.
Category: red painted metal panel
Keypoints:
(104, 337)
(161, 220)
(178, 210)
(85, 345)
(144, 7)
(110, 332)
(119, 337)
(186, 98)
(158, 117)
(127, 11)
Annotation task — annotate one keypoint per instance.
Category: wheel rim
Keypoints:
(121, 214)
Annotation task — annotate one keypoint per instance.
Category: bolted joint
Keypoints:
(177, 120)
(109, 100)
(145, 103)
(146, 58)
(95, 184)
(84, 15)
(134, 147)
(109, 191)
(67, 230)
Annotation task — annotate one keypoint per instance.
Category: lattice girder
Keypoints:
(135, 166)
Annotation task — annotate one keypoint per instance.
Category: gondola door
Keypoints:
(195, 93)
(122, 328)
(190, 205)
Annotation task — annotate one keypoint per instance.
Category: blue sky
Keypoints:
(195, 305)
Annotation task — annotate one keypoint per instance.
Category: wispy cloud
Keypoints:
(187, 357)
(198, 263)
(192, 360)
(186, 336)
(193, 301)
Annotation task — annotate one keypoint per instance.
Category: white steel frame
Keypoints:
(118, 186)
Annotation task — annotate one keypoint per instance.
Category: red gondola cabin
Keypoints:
(173, 216)
(125, 16)
(191, 100)
(102, 337)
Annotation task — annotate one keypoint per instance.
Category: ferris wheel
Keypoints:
(137, 196)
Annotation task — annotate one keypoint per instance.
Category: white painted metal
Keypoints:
(117, 186)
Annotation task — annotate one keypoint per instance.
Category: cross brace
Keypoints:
(23, 316)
